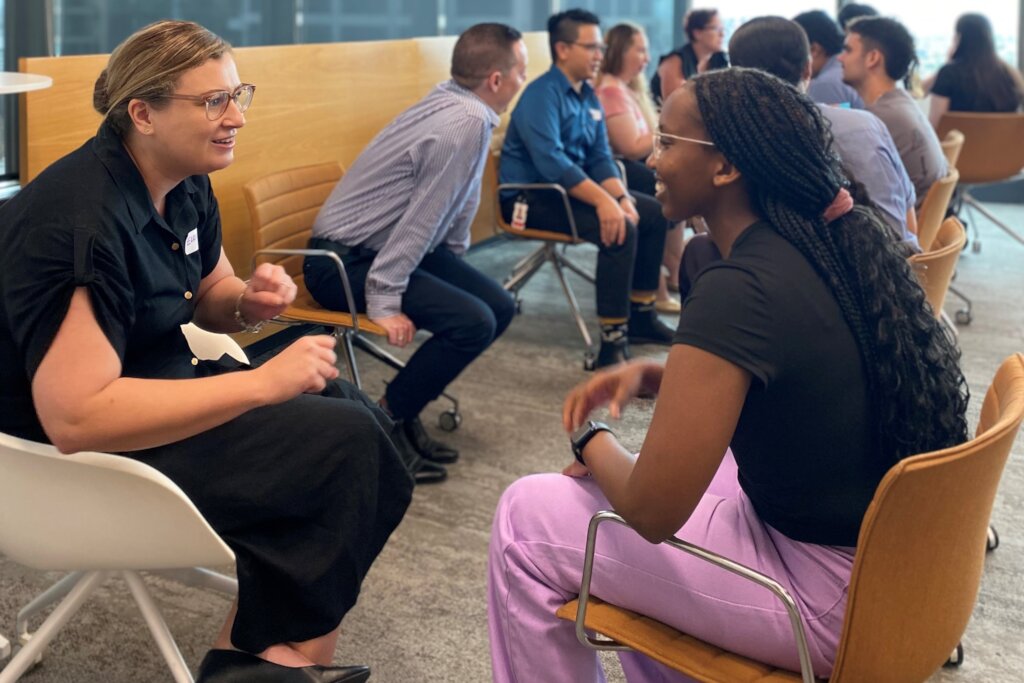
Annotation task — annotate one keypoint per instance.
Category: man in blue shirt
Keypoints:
(400, 221)
(557, 135)
(826, 39)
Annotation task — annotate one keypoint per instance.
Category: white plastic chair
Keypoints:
(96, 515)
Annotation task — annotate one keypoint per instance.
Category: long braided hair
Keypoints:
(782, 145)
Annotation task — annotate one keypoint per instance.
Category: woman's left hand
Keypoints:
(575, 469)
(268, 293)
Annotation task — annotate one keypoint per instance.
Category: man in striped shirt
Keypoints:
(400, 221)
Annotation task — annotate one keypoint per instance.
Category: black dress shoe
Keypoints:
(232, 666)
(612, 353)
(432, 450)
(422, 472)
(646, 328)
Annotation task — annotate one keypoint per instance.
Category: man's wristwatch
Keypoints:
(582, 436)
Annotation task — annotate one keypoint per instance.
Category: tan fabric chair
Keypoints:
(282, 208)
(547, 252)
(952, 145)
(935, 267)
(933, 209)
(993, 151)
(920, 555)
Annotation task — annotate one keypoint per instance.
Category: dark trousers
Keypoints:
(633, 265)
(462, 308)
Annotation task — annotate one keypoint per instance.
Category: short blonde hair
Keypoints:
(147, 65)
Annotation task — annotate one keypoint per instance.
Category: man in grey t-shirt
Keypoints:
(877, 53)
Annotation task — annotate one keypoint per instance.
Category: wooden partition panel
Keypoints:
(313, 103)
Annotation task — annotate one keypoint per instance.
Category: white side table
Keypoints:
(13, 81)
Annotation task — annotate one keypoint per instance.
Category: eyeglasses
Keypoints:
(659, 144)
(592, 47)
(216, 102)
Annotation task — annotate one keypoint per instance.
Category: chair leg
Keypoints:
(971, 201)
(963, 315)
(51, 595)
(158, 628)
(573, 306)
(526, 268)
(31, 650)
(589, 277)
(350, 357)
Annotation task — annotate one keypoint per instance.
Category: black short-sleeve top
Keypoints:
(88, 221)
(956, 81)
(803, 443)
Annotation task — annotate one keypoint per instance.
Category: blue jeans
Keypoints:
(462, 308)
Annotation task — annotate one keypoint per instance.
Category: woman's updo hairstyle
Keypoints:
(147, 65)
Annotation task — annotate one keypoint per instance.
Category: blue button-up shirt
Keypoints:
(557, 135)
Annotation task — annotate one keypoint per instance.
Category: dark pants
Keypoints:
(462, 308)
(306, 493)
(633, 265)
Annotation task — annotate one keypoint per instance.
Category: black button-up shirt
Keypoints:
(88, 221)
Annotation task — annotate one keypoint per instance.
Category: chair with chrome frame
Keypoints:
(993, 152)
(282, 208)
(916, 573)
(97, 516)
(546, 253)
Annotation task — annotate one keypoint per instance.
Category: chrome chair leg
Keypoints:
(974, 203)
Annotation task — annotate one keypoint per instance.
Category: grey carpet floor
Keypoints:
(422, 613)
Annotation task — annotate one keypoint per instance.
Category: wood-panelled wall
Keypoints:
(313, 103)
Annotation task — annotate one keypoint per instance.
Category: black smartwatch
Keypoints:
(582, 436)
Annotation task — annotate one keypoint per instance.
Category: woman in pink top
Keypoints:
(631, 120)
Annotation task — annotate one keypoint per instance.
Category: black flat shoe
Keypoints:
(432, 450)
(422, 472)
(232, 666)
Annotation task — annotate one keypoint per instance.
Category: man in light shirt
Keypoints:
(400, 220)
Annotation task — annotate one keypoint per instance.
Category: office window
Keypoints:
(735, 13)
(657, 17)
(933, 29)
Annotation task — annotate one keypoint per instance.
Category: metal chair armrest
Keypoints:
(540, 186)
(349, 299)
(796, 621)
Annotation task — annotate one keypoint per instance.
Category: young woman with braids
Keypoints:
(805, 365)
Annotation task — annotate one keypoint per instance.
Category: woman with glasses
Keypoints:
(102, 258)
(805, 365)
(630, 120)
(705, 34)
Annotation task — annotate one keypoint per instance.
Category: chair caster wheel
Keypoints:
(519, 306)
(956, 658)
(589, 362)
(22, 642)
(449, 420)
(5, 648)
(976, 247)
(963, 317)
(992, 541)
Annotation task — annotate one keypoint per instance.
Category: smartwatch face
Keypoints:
(582, 431)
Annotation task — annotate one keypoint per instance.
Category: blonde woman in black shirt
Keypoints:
(102, 258)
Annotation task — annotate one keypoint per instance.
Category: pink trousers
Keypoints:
(536, 561)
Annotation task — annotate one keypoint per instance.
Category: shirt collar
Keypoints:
(454, 88)
(560, 77)
(109, 148)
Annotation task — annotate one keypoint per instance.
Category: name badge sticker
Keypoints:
(192, 241)
(596, 114)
